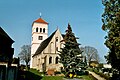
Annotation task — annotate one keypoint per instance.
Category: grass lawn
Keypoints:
(52, 78)
(36, 75)
(84, 77)
(88, 77)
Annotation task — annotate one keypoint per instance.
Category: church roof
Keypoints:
(5, 36)
(40, 20)
(44, 44)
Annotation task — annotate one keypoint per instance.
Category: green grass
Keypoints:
(36, 75)
(88, 77)
(52, 78)
(85, 77)
(34, 71)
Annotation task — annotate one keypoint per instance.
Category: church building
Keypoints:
(44, 48)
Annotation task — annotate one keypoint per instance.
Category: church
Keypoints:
(44, 48)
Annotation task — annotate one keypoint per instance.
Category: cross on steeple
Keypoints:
(40, 14)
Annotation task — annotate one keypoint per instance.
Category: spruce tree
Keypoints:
(70, 55)
(111, 24)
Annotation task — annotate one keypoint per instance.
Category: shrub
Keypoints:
(101, 74)
(86, 72)
(57, 72)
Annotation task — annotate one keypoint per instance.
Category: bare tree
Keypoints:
(91, 54)
(25, 54)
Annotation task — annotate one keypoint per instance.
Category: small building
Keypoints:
(6, 50)
(105, 65)
(93, 64)
(8, 71)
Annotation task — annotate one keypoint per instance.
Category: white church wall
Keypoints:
(40, 25)
(35, 37)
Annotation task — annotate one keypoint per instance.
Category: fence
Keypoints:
(8, 73)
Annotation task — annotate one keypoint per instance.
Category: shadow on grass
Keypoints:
(27, 75)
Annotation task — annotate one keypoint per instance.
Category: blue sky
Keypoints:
(84, 16)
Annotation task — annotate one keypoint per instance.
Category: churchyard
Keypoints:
(33, 74)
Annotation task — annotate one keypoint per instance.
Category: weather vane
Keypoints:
(40, 14)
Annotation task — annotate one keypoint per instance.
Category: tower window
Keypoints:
(44, 30)
(40, 29)
(40, 37)
(50, 60)
(37, 29)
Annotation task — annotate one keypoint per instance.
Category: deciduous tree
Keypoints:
(91, 54)
(111, 24)
(25, 54)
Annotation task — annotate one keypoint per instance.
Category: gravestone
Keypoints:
(50, 72)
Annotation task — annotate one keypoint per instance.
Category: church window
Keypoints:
(50, 60)
(56, 39)
(37, 29)
(38, 61)
(56, 48)
(44, 30)
(56, 60)
(40, 37)
(40, 29)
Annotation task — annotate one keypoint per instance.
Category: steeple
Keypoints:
(39, 34)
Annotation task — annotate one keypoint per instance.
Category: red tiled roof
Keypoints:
(40, 20)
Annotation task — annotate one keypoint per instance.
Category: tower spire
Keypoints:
(40, 14)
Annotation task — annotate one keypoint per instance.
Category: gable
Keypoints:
(46, 42)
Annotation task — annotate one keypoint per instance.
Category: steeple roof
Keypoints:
(40, 20)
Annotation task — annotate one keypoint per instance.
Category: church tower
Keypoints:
(39, 34)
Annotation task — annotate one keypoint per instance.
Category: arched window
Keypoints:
(40, 29)
(37, 29)
(43, 30)
(50, 60)
(56, 60)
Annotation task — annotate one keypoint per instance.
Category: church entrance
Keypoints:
(44, 65)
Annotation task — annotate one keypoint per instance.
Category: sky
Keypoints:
(84, 16)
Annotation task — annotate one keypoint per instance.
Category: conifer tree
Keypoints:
(111, 24)
(70, 55)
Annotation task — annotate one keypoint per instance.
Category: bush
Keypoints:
(86, 72)
(22, 67)
(57, 72)
(79, 73)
